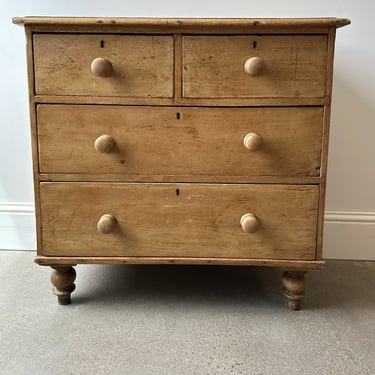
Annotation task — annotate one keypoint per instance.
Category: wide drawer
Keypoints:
(133, 65)
(179, 220)
(286, 66)
(180, 141)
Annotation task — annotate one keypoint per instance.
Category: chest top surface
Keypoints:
(180, 24)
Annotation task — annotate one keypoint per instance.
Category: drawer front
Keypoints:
(288, 66)
(179, 141)
(133, 66)
(179, 220)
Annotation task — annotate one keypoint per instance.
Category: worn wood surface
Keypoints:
(294, 288)
(190, 22)
(294, 66)
(142, 94)
(186, 102)
(62, 279)
(177, 68)
(92, 177)
(283, 264)
(179, 220)
(182, 25)
(326, 129)
(180, 141)
(142, 65)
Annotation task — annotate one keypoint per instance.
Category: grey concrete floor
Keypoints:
(185, 320)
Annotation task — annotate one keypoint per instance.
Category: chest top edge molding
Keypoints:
(182, 24)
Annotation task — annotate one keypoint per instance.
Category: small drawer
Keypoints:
(103, 65)
(180, 141)
(179, 220)
(254, 66)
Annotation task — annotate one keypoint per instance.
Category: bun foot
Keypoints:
(294, 288)
(62, 279)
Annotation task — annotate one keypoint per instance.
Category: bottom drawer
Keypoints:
(179, 220)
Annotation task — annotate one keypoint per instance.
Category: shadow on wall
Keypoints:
(351, 180)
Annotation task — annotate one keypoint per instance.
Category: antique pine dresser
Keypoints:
(180, 141)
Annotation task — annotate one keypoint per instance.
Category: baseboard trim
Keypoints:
(349, 217)
(17, 226)
(347, 234)
(15, 207)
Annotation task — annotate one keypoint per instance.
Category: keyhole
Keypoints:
(102, 44)
(178, 115)
(177, 192)
(254, 44)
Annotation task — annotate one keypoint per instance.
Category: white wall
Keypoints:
(350, 226)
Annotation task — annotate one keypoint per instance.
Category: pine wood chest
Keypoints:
(183, 141)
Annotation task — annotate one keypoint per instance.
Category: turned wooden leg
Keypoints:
(62, 278)
(294, 288)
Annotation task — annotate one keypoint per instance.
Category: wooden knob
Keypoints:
(101, 67)
(254, 65)
(104, 144)
(249, 223)
(106, 224)
(252, 141)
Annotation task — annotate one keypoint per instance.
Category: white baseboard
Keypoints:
(17, 226)
(347, 234)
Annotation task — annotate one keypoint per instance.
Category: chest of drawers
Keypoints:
(182, 141)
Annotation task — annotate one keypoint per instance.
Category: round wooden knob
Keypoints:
(101, 67)
(106, 224)
(254, 65)
(249, 223)
(252, 141)
(104, 144)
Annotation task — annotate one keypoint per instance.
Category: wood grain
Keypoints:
(187, 102)
(284, 264)
(294, 66)
(179, 25)
(180, 141)
(177, 68)
(62, 279)
(294, 288)
(167, 105)
(92, 177)
(142, 65)
(325, 142)
(179, 220)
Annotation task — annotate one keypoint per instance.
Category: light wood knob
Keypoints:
(254, 65)
(104, 144)
(106, 224)
(252, 141)
(249, 223)
(101, 67)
